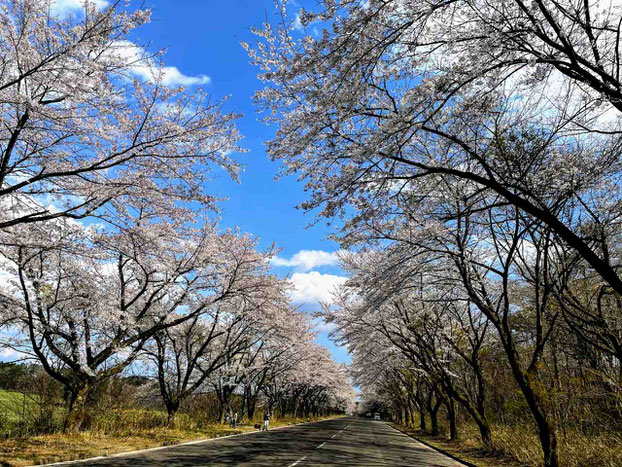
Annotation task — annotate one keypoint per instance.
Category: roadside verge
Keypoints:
(442, 451)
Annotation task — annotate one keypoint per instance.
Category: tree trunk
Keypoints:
(433, 410)
(252, 404)
(546, 430)
(451, 417)
(486, 435)
(224, 400)
(171, 411)
(434, 422)
(245, 401)
(477, 413)
(76, 419)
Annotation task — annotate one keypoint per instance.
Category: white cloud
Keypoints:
(143, 66)
(140, 62)
(9, 354)
(305, 260)
(313, 287)
(171, 76)
(66, 7)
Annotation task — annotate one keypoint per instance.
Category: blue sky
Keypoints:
(202, 38)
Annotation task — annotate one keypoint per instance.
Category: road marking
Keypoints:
(321, 445)
(299, 460)
(334, 435)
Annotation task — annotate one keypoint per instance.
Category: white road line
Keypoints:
(319, 447)
(299, 460)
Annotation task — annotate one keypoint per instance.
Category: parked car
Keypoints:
(376, 416)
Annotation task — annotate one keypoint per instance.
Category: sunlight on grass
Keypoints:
(518, 446)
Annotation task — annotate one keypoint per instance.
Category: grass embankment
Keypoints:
(13, 404)
(519, 446)
(58, 447)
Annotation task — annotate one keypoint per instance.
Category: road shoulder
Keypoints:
(447, 453)
(470, 457)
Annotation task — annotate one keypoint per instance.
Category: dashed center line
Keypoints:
(298, 461)
(318, 447)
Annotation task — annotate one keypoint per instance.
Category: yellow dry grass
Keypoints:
(519, 446)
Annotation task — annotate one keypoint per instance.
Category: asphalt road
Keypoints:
(344, 441)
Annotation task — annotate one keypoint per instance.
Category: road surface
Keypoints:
(343, 441)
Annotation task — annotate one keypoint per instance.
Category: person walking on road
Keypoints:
(266, 420)
(235, 420)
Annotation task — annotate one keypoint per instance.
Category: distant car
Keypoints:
(368, 414)
(376, 416)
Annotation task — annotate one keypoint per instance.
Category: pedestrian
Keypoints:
(231, 418)
(235, 420)
(266, 420)
(226, 418)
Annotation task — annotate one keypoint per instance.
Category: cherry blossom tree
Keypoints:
(87, 305)
(315, 385)
(282, 349)
(226, 345)
(93, 125)
(395, 94)
(419, 311)
(391, 381)
(187, 354)
(502, 265)
(275, 343)
(489, 260)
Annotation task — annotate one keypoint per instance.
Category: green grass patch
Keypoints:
(14, 406)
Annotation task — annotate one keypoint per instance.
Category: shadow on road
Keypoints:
(346, 441)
